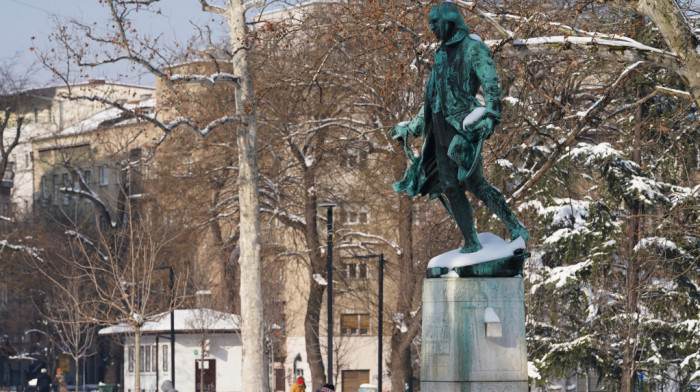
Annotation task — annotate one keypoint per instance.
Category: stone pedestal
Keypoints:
(473, 335)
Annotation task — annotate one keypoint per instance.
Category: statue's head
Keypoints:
(446, 20)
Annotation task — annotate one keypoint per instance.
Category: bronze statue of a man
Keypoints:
(454, 125)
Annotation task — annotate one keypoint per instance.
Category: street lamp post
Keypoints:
(329, 274)
(172, 321)
(380, 311)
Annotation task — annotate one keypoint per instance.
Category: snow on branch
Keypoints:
(657, 90)
(614, 44)
(630, 51)
(31, 251)
(83, 239)
(166, 128)
(220, 77)
(373, 236)
(659, 243)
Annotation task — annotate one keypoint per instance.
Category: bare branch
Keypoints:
(212, 8)
(254, 4)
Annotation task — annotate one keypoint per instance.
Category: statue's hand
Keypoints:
(485, 127)
(400, 131)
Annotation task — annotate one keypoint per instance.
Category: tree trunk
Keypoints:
(77, 374)
(679, 36)
(314, 301)
(311, 335)
(250, 257)
(137, 359)
(629, 365)
(401, 367)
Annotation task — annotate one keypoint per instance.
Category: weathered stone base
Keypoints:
(473, 335)
(475, 386)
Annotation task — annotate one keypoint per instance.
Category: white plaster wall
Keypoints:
(224, 348)
(23, 186)
(355, 353)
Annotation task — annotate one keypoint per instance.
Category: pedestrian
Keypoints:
(61, 385)
(299, 386)
(43, 382)
(167, 386)
(328, 388)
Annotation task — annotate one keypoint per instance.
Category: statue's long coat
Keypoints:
(457, 73)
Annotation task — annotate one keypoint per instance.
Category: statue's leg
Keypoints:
(462, 210)
(495, 201)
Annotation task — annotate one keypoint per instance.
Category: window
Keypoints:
(356, 216)
(354, 324)
(354, 158)
(131, 359)
(104, 176)
(87, 176)
(166, 358)
(353, 379)
(55, 189)
(142, 361)
(154, 358)
(148, 359)
(44, 191)
(355, 270)
(66, 184)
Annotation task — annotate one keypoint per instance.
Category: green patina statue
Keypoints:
(454, 125)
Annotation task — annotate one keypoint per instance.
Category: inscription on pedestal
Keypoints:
(436, 343)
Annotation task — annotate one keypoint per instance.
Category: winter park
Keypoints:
(369, 196)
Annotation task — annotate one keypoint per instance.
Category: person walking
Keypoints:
(43, 382)
(299, 386)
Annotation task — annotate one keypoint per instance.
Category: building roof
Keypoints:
(186, 320)
(107, 117)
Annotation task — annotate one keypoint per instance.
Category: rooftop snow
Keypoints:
(186, 320)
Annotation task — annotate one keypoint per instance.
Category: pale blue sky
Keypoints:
(22, 19)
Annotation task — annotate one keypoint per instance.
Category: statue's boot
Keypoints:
(495, 201)
(463, 215)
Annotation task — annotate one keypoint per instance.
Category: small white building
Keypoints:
(207, 346)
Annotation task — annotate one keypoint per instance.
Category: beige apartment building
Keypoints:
(47, 112)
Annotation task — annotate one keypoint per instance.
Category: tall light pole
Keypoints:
(172, 321)
(329, 275)
(380, 311)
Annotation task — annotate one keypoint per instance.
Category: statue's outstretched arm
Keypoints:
(413, 127)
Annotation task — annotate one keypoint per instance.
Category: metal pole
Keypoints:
(172, 326)
(172, 320)
(381, 319)
(329, 310)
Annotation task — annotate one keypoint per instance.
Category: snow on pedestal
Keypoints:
(497, 258)
(494, 247)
